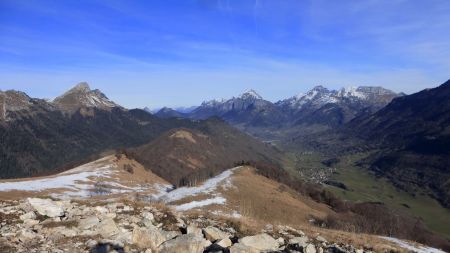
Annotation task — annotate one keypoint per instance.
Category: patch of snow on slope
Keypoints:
(79, 182)
(71, 181)
(200, 203)
(207, 187)
(411, 247)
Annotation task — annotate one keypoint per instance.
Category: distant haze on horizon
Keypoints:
(180, 53)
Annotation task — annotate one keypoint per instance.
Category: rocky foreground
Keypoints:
(45, 225)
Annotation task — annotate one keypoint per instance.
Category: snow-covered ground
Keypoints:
(414, 248)
(75, 183)
(200, 203)
(209, 186)
(80, 182)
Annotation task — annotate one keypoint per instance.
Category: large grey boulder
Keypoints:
(224, 243)
(28, 216)
(46, 207)
(241, 248)
(151, 237)
(192, 229)
(213, 234)
(187, 243)
(301, 241)
(309, 249)
(88, 222)
(107, 228)
(263, 242)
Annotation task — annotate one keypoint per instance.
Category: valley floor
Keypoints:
(359, 185)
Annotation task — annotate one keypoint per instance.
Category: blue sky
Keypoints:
(179, 53)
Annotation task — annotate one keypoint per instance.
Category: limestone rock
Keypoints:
(224, 243)
(241, 248)
(263, 242)
(107, 228)
(301, 241)
(187, 243)
(309, 249)
(213, 234)
(27, 216)
(191, 229)
(320, 239)
(88, 223)
(46, 207)
(151, 237)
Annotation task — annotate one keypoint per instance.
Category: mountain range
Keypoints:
(41, 137)
(401, 138)
(319, 106)
(407, 136)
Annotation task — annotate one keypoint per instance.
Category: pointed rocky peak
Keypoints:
(250, 94)
(81, 87)
(80, 96)
(165, 109)
(319, 88)
(318, 92)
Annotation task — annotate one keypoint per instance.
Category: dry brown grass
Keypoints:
(263, 199)
(54, 224)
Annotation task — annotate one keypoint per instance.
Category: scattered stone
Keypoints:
(187, 243)
(26, 235)
(263, 242)
(147, 215)
(321, 239)
(310, 249)
(241, 248)
(107, 228)
(88, 223)
(46, 207)
(151, 237)
(191, 229)
(301, 241)
(213, 234)
(224, 243)
(29, 215)
(91, 243)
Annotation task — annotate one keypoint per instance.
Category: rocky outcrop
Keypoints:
(44, 225)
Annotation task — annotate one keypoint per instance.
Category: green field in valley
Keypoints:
(363, 186)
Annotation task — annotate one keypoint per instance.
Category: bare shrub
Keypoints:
(101, 188)
(128, 168)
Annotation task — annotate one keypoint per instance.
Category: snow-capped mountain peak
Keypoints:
(250, 94)
(214, 102)
(351, 91)
(319, 96)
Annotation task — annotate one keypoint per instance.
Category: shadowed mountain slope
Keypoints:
(185, 156)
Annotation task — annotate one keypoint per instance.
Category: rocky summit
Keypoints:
(46, 225)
